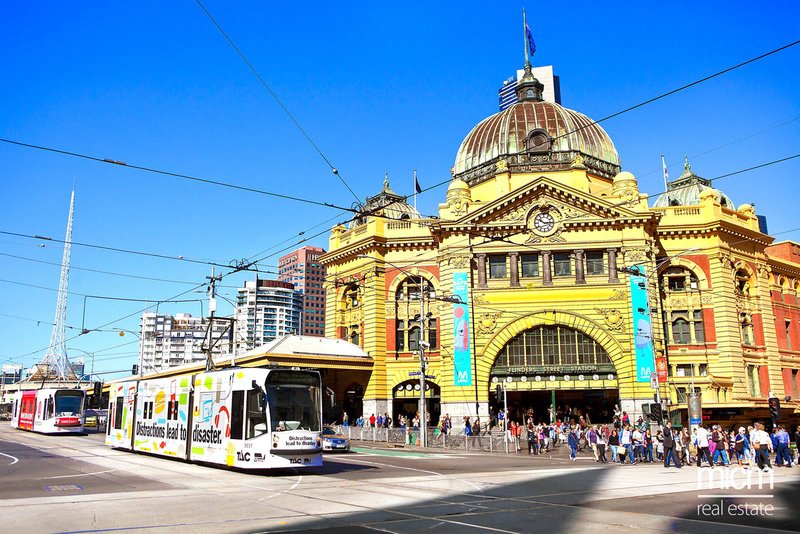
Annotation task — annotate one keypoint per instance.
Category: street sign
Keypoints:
(414, 373)
(653, 380)
(430, 377)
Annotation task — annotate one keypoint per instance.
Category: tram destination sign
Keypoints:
(551, 369)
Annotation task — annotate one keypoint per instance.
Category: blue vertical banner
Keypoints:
(462, 356)
(642, 327)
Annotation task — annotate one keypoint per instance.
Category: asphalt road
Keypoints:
(76, 484)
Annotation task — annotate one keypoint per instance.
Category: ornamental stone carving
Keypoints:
(764, 271)
(612, 318)
(635, 255)
(727, 259)
(515, 215)
(460, 261)
(617, 294)
(502, 165)
(480, 298)
(487, 323)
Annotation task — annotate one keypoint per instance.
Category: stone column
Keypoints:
(580, 276)
(481, 270)
(514, 263)
(612, 266)
(547, 269)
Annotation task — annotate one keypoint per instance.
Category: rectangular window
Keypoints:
(594, 263)
(795, 383)
(680, 328)
(568, 346)
(683, 370)
(237, 414)
(256, 415)
(753, 380)
(400, 341)
(561, 264)
(681, 395)
(788, 325)
(118, 413)
(432, 333)
(677, 283)
(699, 330)
(703, 369)
(530, 265)
(497, 266)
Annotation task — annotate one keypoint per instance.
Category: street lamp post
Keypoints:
(422, 345)
(637, 270)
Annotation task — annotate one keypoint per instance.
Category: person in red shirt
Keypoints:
(372, 420)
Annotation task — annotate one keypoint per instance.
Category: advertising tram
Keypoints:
(246, 418)
(49, 410)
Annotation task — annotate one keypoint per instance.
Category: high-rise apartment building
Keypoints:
(265, 310)
(302, 268)
(170, 341)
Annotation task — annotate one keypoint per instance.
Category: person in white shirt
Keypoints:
(625, 441)
(762, 444)
(701, 441)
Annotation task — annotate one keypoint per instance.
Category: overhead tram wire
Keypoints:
(178, 175)
(110, 273)
(681, 88)
(272, 93)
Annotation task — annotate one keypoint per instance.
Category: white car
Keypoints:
(331, 441)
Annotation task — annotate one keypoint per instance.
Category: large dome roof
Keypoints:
(536, 132)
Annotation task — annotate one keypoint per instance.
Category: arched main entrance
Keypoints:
(405, 400)
(554, 367)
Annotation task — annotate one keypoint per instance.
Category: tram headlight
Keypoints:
(275, 439)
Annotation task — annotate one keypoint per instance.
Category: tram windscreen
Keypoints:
(294, 401)
(69, 403)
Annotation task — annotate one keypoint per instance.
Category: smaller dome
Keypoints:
(457, 185)
(387, 203)
(689, 189)
(624, 176)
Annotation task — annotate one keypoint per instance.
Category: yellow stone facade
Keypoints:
(565, 202)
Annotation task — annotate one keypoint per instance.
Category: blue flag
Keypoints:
(529, 37)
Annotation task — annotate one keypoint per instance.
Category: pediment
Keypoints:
(542, 194)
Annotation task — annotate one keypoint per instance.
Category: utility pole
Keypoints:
(423, 423)
(212, 308)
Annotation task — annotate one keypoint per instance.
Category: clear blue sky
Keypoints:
(379, 88)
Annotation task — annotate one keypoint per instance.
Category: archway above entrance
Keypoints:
(555, 371)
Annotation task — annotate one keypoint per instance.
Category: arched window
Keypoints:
(355, 336)
(679, 279)
(680, 328)
(351, 297)
(552, 346)
(413, 338)
(538, 141)
(742, 280)
(746, 326)
(407, 334)
(413, 287)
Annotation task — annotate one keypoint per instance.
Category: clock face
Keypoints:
(544, 222)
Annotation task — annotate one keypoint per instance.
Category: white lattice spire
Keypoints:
(55, 364)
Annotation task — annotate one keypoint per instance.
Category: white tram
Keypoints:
(49, 410)
(248, 418)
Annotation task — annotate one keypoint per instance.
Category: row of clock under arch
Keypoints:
(553, 378)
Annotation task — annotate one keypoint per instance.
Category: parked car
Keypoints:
(94, 418)
(333, 442)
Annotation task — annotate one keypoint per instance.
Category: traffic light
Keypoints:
(499, 391)
(775, 408)
(655, 412)
(98, 389)
(135, 369)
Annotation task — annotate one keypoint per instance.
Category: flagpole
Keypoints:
(525, 36)
(415, 189)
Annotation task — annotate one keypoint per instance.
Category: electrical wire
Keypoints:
(272, 93)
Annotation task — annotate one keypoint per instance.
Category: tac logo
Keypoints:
(243, 456)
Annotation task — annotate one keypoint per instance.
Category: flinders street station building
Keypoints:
(549, 279)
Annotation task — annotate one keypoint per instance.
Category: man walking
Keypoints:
(701, 441)
(782, 450)
(763, 446)
(669, 445)
(625, 441)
